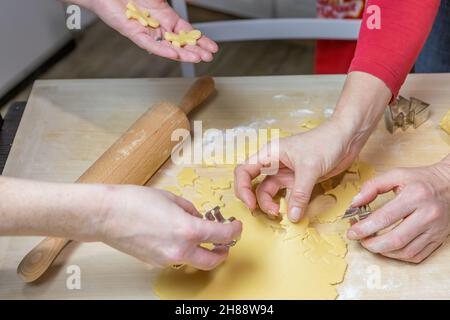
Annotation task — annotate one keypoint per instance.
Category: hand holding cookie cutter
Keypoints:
(215, 215)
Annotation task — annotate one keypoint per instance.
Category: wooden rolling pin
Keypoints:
(133, 159)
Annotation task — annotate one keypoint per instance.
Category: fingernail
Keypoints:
(357, 198)
(351, 235)
(295, 214)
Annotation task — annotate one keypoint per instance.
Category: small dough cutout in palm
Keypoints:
(113, 13)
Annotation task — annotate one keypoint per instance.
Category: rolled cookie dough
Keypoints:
(273, 259)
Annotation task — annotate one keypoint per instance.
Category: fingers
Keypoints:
(397, 238)
(208, 44)
(265, 193)
(202, 53)
(426, 252)
(378, 185)
(411, 250)
(187, 55)
(382, 218)
(204, 259)
(305, 179)
(205, 46)
(269, 187)
(148, 43)
(187, 206)
(214, 232)
(243, 176)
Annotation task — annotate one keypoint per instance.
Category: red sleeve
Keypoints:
(389, 52)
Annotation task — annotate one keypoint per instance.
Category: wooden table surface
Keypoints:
(69, 123)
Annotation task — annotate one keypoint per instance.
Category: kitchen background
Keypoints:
(32, 31)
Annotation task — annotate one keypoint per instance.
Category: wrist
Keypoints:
(362, 103)
(360, 107)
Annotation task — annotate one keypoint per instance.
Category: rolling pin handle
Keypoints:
(197, 94)
(38, 260)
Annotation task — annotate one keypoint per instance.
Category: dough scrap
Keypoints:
(142, 16)
(311, 123)
(222, 183)
(445, 122)
(273, 259)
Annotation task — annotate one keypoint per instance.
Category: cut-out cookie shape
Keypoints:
(183, 38)
(293, 230)
(142, 16)
(187, 177)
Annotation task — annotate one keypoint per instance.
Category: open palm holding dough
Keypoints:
(113, 13)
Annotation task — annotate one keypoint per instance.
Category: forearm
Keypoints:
(34, 208)
(390, 50)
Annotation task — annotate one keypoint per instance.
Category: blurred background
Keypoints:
(32, 32)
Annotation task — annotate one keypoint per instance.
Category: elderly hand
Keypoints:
(422, 204)
(112, 12)
(163, 229)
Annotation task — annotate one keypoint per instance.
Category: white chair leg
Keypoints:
(181, 8)
(187, 70)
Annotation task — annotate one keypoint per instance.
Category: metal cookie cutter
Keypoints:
(404, 113)
(215, 215)
(357, 214)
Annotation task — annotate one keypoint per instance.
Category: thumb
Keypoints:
(305, 179)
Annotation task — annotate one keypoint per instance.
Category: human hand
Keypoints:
(422, 201)
(163, 229)
(112, 12)
(317, 154)
(302, 163)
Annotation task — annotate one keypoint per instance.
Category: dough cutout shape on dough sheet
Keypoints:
(273, 259)
(187, 177)
(262, 265)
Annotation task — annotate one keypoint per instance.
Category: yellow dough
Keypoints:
(273, 259)
(311, 123)
(292, 230)
(445, 122)
(344, 194)
(187, 177)
(222, 183)
(183, 38)
(141, 15)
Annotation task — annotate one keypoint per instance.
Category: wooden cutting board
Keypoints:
(69, 123)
